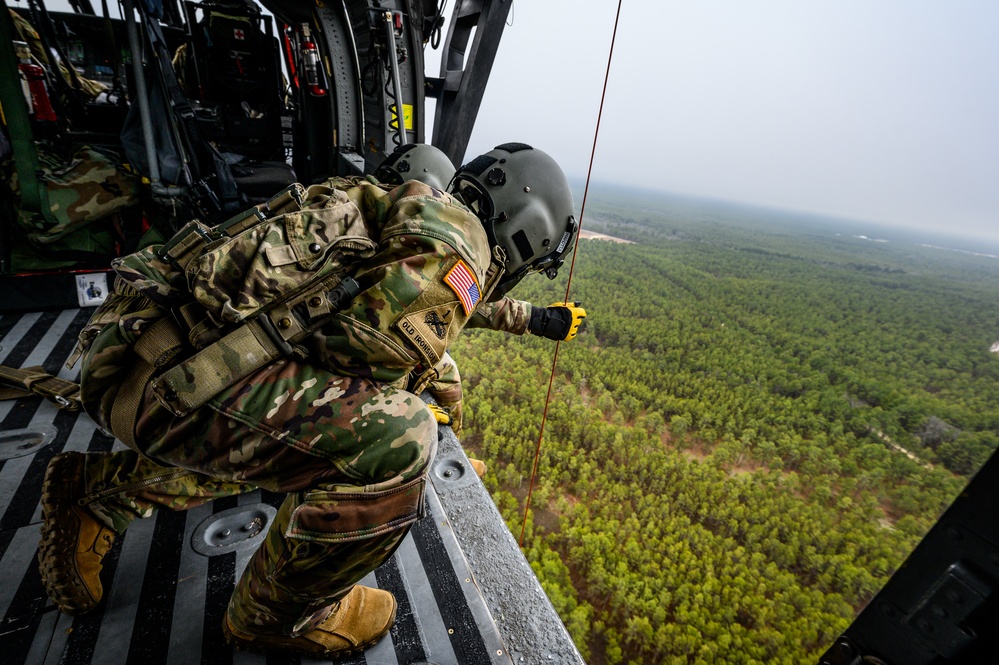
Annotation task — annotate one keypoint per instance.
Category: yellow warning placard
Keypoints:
(407, 116)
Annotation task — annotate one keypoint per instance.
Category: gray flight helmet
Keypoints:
(416, 161)
(523, 199)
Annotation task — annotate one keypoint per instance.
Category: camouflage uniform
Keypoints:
(338, 433)
(506, 314)
(87, 188)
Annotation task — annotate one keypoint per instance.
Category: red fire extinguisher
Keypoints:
(33, 82)
(311, 65)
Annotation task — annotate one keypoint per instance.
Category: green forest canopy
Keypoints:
(762, 416)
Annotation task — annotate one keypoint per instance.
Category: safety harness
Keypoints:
(302, 244)
(29, 381)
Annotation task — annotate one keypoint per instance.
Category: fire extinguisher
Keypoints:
(311, 65)
(33, 84)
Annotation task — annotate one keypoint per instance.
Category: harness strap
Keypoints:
(200, 328)
(156, 348)
(193, 382)
(254, 344)
(28, 381)
(194, 236)
(186, 244)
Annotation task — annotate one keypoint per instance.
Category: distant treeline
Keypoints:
(756, 426)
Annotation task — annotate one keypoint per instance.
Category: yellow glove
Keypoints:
(454, 411)
(560, 320)
(440, 414)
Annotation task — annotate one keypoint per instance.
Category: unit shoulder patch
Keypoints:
(431, 330)
(434, 319)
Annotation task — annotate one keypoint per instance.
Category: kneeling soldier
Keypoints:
(328, 420)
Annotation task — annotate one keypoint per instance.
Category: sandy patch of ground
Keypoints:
(592, 235)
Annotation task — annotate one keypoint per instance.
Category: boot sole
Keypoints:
(57, 548)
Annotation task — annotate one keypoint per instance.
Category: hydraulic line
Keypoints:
(572, 267)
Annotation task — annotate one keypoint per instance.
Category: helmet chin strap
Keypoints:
(489, 224)
(551, 263)
(506, 283)
(548, 264)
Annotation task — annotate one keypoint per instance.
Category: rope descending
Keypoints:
(572, 267)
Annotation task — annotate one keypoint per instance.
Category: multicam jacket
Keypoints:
(429, 278)
(429, 273)
(506, 314)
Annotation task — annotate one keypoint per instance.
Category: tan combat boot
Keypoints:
(357, 622)
(478, 466)
(73, 543)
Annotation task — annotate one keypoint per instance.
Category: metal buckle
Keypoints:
(280, 342)
(164, 252)
(297, 195)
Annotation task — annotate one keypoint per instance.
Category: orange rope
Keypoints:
(572, 267)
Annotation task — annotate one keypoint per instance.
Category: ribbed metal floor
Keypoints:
(163, 599)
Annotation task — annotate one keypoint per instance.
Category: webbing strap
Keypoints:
(186, 244)
(155, 348)
(13, 393)
(194, 236)
(160, 344)
(125, 410)
(190, 384)
(28, 381)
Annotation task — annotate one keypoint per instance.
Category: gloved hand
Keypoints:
(440, 414)
(448, 415)
(454, 411)
(559, 320)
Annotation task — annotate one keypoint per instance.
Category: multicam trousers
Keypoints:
(350, 452)
(446, 390)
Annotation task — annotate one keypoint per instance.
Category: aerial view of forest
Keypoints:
(762, 416)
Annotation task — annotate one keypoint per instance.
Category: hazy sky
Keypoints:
(876, 110)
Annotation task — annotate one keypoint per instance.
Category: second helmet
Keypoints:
(416, 161)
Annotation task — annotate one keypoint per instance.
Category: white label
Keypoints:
(563, 243)
(91, 289)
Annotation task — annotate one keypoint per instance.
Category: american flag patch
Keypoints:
(462, 282)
